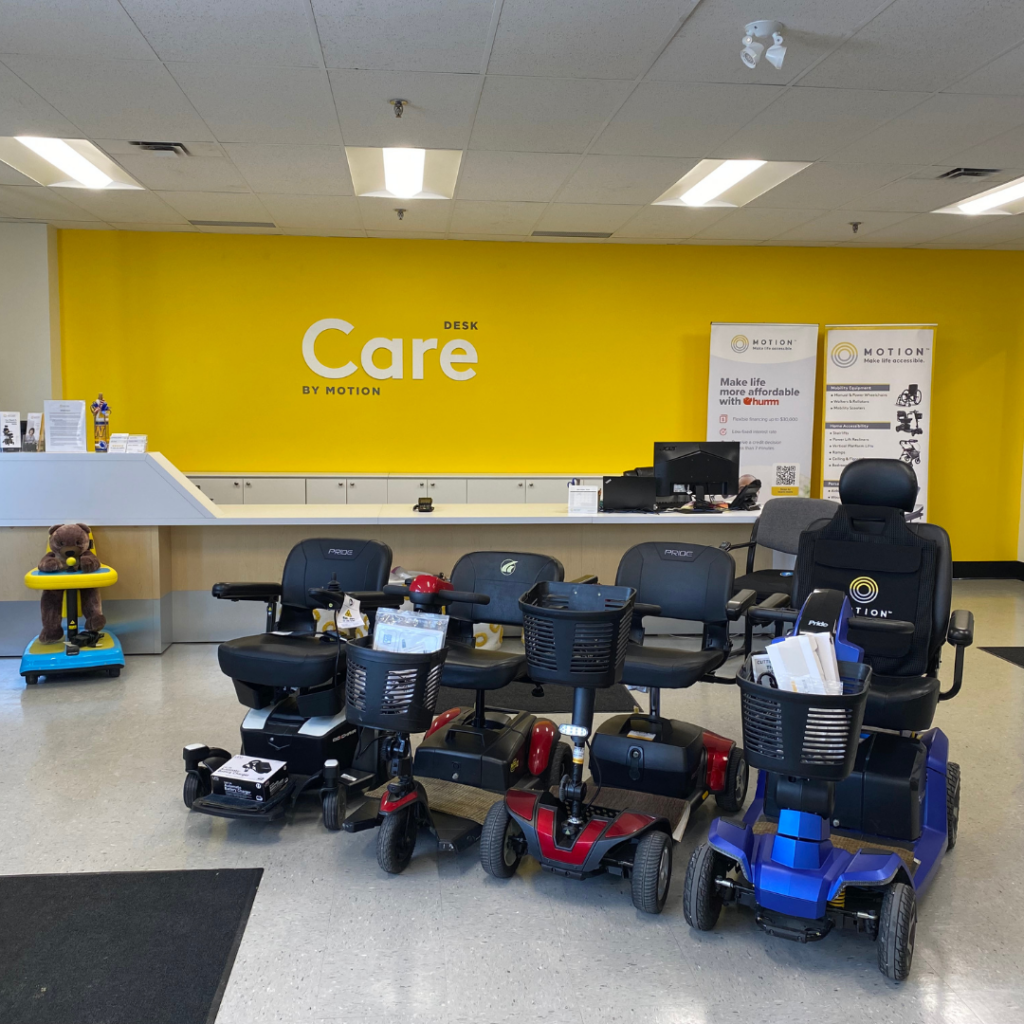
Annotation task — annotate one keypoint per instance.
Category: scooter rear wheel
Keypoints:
(561, 764)
(193, 789)
(737, 774)
(652, 872)
(952, 804)
(396, 840)
(499, 854)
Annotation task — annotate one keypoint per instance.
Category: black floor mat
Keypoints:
(120, 947)
(1014, 655)
(556, 700)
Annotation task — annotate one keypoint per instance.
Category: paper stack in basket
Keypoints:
(806, 663)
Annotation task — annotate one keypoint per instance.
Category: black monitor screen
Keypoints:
(698, 467)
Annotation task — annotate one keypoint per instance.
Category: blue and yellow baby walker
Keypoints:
(78, 650)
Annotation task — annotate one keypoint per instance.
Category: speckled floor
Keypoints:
(93, 778)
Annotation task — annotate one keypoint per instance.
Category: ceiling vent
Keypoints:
(232, 224)
(164, 149)
(572, 234)
(969, 172)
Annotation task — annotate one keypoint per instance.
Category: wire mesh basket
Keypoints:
(808, 735)
(576, 633)
(391, 691)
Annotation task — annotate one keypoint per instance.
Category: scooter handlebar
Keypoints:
(438, 598)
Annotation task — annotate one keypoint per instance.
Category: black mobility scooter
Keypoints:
(290, 679)
(849, 824)
(649, 772)
(489, 749)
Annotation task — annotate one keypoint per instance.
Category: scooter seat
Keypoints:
(280, 661)
(667, 667)
(467, 668)
(901, 702)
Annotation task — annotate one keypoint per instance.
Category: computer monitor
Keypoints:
(696, 468)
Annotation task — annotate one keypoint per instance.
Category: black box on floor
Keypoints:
(250, 778)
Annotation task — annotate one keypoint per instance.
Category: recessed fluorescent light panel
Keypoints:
(404, 173)
(64, 163)
(1003, 199)
(729, 183)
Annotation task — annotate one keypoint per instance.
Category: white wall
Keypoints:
(29, 317)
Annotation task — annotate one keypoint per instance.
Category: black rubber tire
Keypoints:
(114, 671)
(31, 679)
(952, 804)
(559, 765)
(497, 855)
(702, 901)
(193, 789)
(737, 775)
(396, 840)
(334, 804)
(652, 872)
(897, 929)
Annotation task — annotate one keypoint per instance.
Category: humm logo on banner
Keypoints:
(451, 357)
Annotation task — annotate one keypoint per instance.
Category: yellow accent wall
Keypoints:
(586, 353)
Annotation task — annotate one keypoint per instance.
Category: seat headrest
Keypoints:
(886, 482)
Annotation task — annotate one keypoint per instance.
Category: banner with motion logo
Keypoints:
(761, 393)
(878, 390)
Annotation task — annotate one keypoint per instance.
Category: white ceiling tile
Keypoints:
(430, 215)
(1002, 77)
(495, 218)
(36, 202)
(585, 217)
(930, 132)
(123, 205)
(824, 186)
(216, 206)
(481, 236)
(808, 124)
(208, 229)
(921, 195)
(113, 99)
(310, 170)
(1000, 151)
(319, 231)
(673, 119)
(708, 48)
(722, 241)
(24, 112)
(262, 104)
(543, 115)
(609, 178)
(439, 113)
(834, 226)
(511, 177)
(196, 172)
(670, 222)
(922, 44)
(404, 35)
(614, 240)
(925, 227)
(81, 225)
(9, 176)
(72, 28)
(756, 224)
(228, 31)
(971, 232)
(434, 235)
(330, 213)
(598, 39)
(1007, 246)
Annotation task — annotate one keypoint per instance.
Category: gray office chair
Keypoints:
(778, 528)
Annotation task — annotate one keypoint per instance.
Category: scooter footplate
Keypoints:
(454, 833)
(232, 807)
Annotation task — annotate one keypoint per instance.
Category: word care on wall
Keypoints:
(761, 393)
(878, 391)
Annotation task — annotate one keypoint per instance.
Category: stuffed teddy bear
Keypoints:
(69, 541)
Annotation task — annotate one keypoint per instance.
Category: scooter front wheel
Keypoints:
(652, 872)
(897, 930)
(193, 789)
(499, 846)
(396, 840)
(702, 900)
(334, 809)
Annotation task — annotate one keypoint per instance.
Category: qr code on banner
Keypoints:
(786, 474)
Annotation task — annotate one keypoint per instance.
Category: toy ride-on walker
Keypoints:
(290, 678)
(79, 650)
(857, 800)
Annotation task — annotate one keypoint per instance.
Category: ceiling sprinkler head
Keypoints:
(399, 106)
(400, 210)
(855, 224)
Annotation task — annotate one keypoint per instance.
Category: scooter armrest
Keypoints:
(247, 591)
(739, 603)
(774, 608)
(961, 628)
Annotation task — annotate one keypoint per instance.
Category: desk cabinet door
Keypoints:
(406, 490)
(447, 491)
(326, 490)
(368, 490)
(545, 489)
(221, 489)
(495, 491)
(274, 490)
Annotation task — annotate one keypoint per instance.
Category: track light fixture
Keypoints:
(753, 51)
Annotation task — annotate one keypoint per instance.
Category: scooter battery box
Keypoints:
(250, 778)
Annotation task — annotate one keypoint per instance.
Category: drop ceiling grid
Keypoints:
(259, 87)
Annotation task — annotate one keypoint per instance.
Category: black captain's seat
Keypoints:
(267, 666)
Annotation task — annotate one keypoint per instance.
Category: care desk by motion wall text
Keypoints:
(171, 543)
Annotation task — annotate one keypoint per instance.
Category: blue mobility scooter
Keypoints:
(857, 800)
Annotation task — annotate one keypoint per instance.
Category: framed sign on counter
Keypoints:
(878, 390)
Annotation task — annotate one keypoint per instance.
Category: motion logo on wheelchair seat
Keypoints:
(509, 566)
(844, 354)
(863, 589)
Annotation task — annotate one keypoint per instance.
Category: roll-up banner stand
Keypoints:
(761, 393)
(878, 393)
